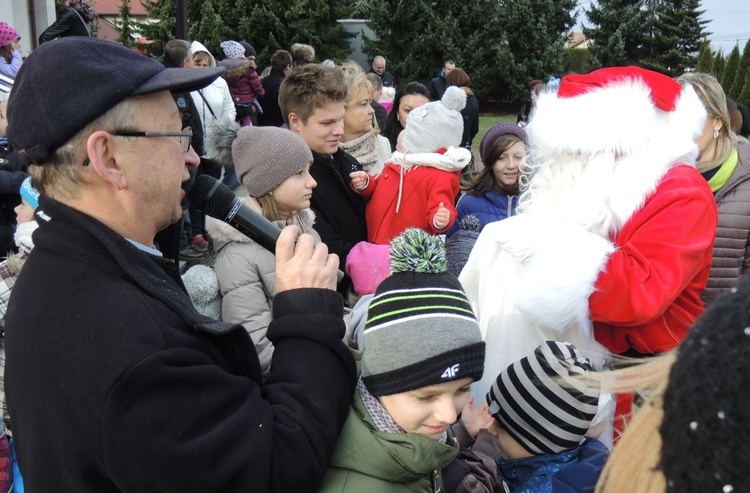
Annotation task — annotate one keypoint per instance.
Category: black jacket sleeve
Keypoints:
(68, 24)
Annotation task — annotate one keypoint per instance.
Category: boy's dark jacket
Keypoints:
(116, 383)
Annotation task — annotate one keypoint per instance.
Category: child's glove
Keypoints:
(442, 217)
(360, 180)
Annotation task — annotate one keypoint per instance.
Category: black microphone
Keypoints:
(215, 199)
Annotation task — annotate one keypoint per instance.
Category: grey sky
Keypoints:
(729, 22)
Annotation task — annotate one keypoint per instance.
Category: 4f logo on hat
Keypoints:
(450, 372)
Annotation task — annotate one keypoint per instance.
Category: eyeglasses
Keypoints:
(186, 136)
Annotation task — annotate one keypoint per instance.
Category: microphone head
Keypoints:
(212, 197)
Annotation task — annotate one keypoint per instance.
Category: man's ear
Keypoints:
(103, 159)
(295, 122)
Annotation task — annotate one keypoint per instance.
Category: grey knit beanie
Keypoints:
(438, 124)
(420, 328)
(264, 157)
(458, 247)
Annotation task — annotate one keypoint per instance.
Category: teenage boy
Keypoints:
(312, 99)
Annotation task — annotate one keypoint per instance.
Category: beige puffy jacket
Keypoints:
(246, 273)
(731, 257)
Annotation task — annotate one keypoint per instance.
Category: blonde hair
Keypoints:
(268, 206)
(60, 175)
(635, 463)
(712, 96)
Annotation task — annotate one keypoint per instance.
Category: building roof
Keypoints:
(112, 8)
(577, 40)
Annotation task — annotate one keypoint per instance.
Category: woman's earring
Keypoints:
(716, 134)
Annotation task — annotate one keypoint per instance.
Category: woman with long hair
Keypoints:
(273, 165)
(459, 78)
(413, 95)
(492, 195)
(725, 164)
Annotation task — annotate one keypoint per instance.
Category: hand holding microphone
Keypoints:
(215, 199)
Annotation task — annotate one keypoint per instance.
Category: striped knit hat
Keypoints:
(542, 402)
(420, 328)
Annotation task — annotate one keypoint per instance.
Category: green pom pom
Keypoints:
(415, 250)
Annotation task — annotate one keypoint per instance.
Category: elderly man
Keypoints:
(378, 67)
(115, 382)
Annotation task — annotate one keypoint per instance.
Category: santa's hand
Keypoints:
(303, 264)
(442, 217)
(360, 179)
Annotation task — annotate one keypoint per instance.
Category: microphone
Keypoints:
(215, 199)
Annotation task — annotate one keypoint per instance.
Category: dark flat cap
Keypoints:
(67, 83)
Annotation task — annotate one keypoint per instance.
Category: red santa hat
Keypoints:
(618, 109)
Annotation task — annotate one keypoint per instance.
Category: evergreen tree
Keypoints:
(730, 71)
(619, 31)
(705, 61)
(268, 26)
(744, 97)
(742, 70)
(125, 26)
(675, 35)
(719, 63)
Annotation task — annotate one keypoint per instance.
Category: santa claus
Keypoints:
(611, 247)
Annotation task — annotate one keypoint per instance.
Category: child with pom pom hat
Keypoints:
(419, 184)
(397, 436)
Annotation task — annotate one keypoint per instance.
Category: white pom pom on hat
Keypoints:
(436, 125)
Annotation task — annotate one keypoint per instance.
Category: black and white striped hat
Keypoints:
(540, 401)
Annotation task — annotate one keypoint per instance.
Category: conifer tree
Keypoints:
(730, 71)
(705, 61)
(618, 31)
(744, 97)
(742, 71)
(719, 63)
(125, 26)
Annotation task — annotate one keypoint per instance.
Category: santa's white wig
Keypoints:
(599, 146)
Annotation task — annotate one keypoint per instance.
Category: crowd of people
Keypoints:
(423, 323)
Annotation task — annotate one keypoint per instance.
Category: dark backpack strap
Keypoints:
(205, 103)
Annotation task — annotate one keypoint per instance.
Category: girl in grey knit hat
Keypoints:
(273, 164)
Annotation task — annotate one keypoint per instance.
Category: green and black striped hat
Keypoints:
(420, 328)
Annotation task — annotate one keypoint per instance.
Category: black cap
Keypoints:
(249, 50)
(67, 83)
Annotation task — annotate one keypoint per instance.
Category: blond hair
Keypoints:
(635, 463)
(309, 87)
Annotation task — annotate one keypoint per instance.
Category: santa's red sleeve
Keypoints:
(649, 292)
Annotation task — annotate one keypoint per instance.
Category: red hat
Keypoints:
(664, 90)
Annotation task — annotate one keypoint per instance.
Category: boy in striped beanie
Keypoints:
(542, 407)
(422, 351)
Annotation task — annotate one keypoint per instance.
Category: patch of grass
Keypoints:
(488, 120)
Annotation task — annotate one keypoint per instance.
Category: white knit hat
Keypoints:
(438, 124)
(232, 49)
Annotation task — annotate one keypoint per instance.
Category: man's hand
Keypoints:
(304, 264)
(360, 179)
(442, 217)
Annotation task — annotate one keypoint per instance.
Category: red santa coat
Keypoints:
(648, 295)
(422, 191)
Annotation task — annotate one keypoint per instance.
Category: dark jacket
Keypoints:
(731, 257)
(119, 384)
(69, 23)
(339, 212)
(437, 87)
(191, 118)
(387, 78)
(470, 115)
(488, 208)
(573, 471)
(380, 113)
(271, 116)
(10, 183)
(243, 81)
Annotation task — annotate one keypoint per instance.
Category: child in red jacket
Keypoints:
(419, 184)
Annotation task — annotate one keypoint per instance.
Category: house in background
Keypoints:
(577, 40)
(31, 17)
